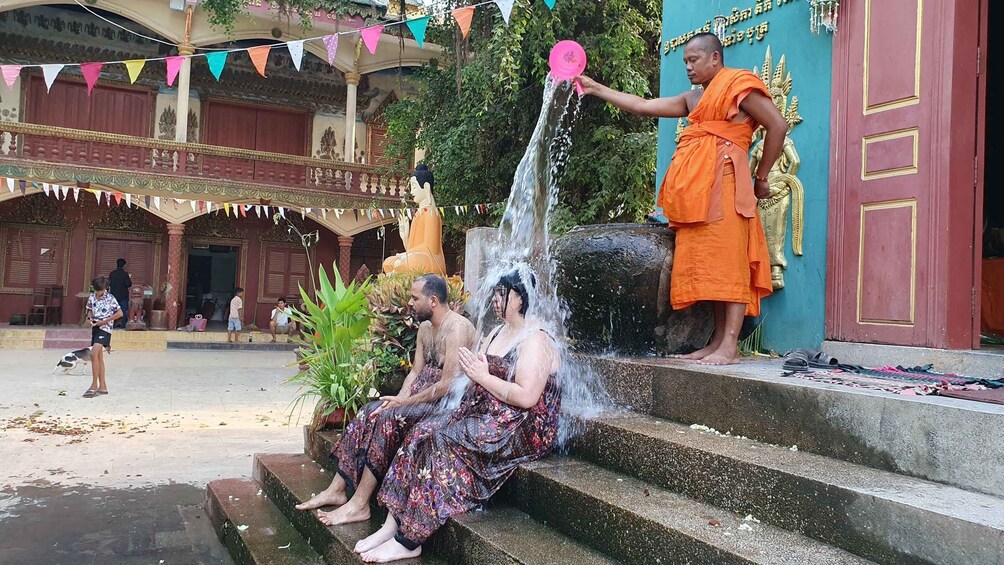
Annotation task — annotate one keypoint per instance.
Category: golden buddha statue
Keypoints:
(785, 188)
(422, 235)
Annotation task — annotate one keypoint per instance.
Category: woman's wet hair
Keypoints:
(513, 281)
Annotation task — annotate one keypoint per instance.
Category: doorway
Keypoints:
(211, 280)
(990, 247)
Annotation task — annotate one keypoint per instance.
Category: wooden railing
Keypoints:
(123, 153)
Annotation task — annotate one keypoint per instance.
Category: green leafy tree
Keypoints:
(477, 105)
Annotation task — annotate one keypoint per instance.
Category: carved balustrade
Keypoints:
(122, 153)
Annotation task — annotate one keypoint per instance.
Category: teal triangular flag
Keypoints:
(417, 27)
(550, 4)
(217, 60)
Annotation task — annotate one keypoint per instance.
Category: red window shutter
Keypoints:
(119, 110)
(276, 267)
(106, 253)
(50, 251)
(139, 261)
(297, 272)
(66, 105)
(20, 246)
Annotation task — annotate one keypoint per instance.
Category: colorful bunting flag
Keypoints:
(217, 60)
(550, 4)
(134, 66)
(50, 72)
(226, 208)
(243, 210)
(331, 44)
(259, 56)
(505, 6)
(295, 52)
(464, 17)
(282, 212)
(128, 199)
(195, 208)
(173, 67)
(146, 200)
(10, 185)
(76, 194)
(97, 195)
(10, 73)
(324, 213)
(257, 210)
(91, 72)
(45, 188)
(118, 198)
(371, 37)
(156, 202)
(417, 27)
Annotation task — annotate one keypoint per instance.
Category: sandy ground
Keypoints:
(115, 474)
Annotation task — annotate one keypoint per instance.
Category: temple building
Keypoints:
(886, 220)
(184, 181)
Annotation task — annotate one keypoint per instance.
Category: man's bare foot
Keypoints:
(724, 355)
(346, 514)
(701, 353)
(329, 497)
(390, 550)
(386, 532)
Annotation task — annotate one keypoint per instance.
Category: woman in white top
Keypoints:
(280, 321)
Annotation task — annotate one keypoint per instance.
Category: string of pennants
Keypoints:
(231, 209)
(259, 55)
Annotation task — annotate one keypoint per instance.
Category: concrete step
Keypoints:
(952, 441)
(252, 528)
(869, 512)
(68, 333)
(498, 535)
(16, 343)
(641, 523)
(68, 344)
(22, 333)
(239, 346)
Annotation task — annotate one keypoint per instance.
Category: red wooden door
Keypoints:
(260, 129)
(902, 192)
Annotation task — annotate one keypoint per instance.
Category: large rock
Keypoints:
(615, 279)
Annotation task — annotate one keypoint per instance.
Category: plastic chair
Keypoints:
(36, 310)
(54, 308)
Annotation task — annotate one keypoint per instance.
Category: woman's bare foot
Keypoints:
(724, 355)
(331, 496)
(345, 514)
(390, 550)
(386, 532)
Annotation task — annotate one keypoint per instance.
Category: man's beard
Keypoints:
(423, 315)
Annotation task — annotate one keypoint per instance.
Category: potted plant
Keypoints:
(335, 350)
(394, 330)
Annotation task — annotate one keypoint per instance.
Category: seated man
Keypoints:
(280, 322)
(370, 441)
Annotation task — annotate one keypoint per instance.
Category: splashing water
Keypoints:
(524, 246)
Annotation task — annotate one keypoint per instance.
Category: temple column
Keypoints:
(352, 84)
(344, 257)
(184, 81)
(174, 234)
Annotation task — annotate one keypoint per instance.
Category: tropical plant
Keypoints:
(394, 329)
(334, 347)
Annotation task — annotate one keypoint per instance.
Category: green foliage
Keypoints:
(394, 330)
(224, 13)
(476, 108)
(335, 346)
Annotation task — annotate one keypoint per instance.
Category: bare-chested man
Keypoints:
(372, 439)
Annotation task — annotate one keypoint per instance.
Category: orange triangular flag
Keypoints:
(259, 56)
(464, 17)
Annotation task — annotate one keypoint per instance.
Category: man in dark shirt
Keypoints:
(120, 283)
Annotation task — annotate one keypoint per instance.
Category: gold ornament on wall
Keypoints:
(786, 189)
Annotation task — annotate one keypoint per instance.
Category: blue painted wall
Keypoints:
(793, 315)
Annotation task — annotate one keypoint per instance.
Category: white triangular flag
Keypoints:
(282, 212)
(308, 210)
(97, 195)
(506, 7)
(76, 194)
(338, 212)
(296, 52)
(10, 185)
(128, 200)
(45, 188)
(324, 213)
(50, 72)
(303, 213)
(209, 206)
(257, 209)
(195, 207)
(380, 210)
(179, 200)
(156, 202)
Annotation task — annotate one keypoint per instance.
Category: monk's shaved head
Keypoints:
(709, 43)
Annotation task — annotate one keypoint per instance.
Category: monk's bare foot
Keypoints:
(724, 355)
(329, 497)
(390, 550)
(700, 353)
(386, 532)
(345, 514)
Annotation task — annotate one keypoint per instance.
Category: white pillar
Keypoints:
(352, 83)
(184, 80)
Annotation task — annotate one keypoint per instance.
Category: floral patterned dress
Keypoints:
(453, 462)
(371, 441)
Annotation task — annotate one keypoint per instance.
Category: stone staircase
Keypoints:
(68, 338)
(875, 477)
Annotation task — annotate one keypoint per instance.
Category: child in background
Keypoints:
(236, 315)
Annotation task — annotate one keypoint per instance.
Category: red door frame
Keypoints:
(981, 129)
(945, 189)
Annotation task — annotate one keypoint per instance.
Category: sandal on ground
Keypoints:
(796, 361)
(100, 392)
(91, 393)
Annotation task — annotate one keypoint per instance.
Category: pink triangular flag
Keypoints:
(371, 37)
(259, 56)
(173, 66)
(91, 72)
(464, 17)
(10, 73)
(331, 44)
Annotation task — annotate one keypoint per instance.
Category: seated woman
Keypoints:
(454, 461)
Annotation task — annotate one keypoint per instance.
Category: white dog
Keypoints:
(71, 359)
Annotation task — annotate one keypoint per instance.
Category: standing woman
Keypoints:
(455, 461)
(103, 309)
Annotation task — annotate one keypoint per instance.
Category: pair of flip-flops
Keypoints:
(805, 360)
(91, 393)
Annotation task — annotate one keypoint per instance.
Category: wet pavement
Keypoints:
(121, 478)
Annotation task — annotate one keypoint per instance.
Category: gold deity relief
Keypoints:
(786, 189)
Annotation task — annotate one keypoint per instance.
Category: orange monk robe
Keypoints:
(707, 195)
(424, 248)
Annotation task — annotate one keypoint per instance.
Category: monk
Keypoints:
(422, 236)
(709, 194)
